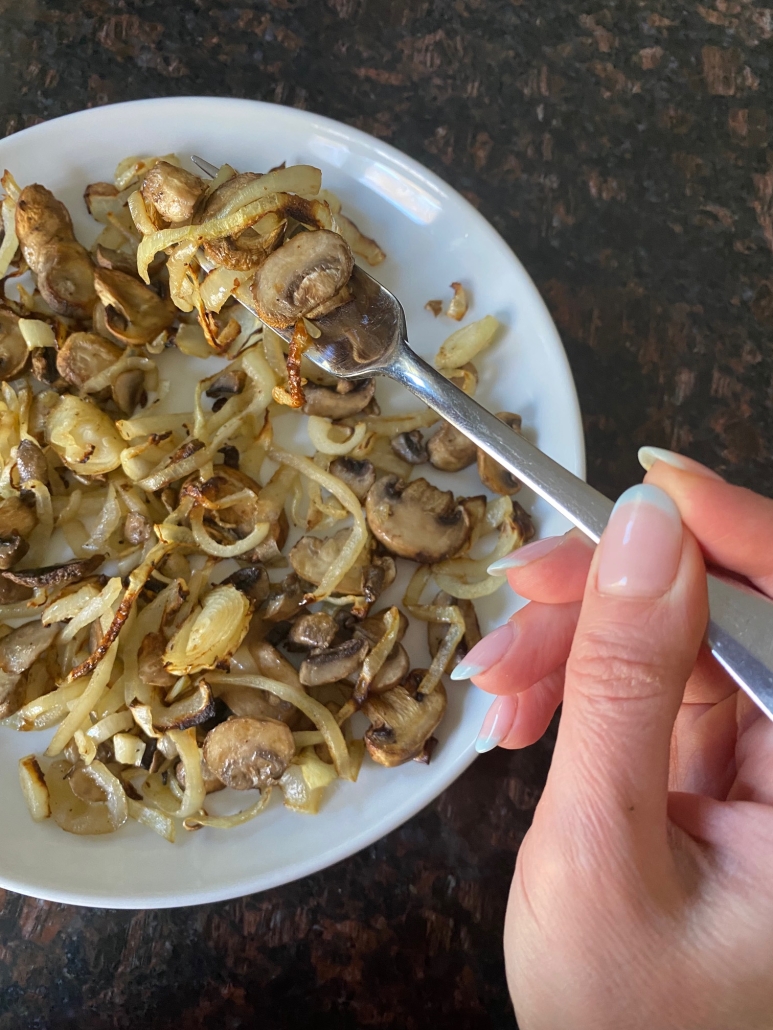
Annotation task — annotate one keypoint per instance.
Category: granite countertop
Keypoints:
(623, 153)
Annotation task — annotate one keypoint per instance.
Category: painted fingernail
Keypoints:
(487, 652)
(525, 555)
(497, 724)
(642, 544)
(649, 455)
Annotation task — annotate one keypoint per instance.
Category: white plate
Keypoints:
(431, 236)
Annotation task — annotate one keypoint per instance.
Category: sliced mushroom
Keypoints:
(13, 349)
(285, 600)
(263, 704)
(336, 404)
(84, 355)
(134, 314)
(150, 661)
(211, 783)
(312, 556)
(401, 723)
(270, 550)
(31, 462)
(237, 520)
(410, 447)
(304, 273)
(50, 575)
(313, 630)
(173, 192)
(16, 517)
(12, 593)
(20, 648)
(523, 520)
(62, 267)
(137, 528)
(336, 663)
(450, 450)
(193, 710)
(416, 520)
(12, 693)
(377, 576)
(227, 384)
(252, 581)
(250, 247)
(491, 473)
(436, 631)
(359, 476)
(43, 367)
(245, 753)
(392, 672)
(475, 508)
(373, 627)
(128, 390)
(12, 550)
(116, 260)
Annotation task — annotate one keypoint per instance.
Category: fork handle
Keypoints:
(740, 631)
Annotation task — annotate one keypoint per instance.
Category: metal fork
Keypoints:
(368, 337)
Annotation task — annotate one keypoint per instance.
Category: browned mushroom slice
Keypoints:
(249, 248)
(31, 462)
(50, 575)
(134, 313)
(410, 447)
(450, 450)
(84, 355)
(312, 556)
(128, 390)
(239, 519)
(211, 783)
(173, 192)
(13, 349)
(12, 549)
(416, 520)
(227, 384)
(246, 753)
(116, 260)
(373, 627)
(359, 476)
(252, 581)
(62, 267)
(312, 630)
(436, 631)
(523, 520)
(150, 661)
(491, 473)
(12, 593)
(20, 648)
(16, 517)
(192, 710)
(43, 368)
(304, 273)
(285, 600)
(12, 694)
(392, 672)
(401, 723)
(262, 704)
(336, 663)
(137, 528)
(377, 576)
(336, 404)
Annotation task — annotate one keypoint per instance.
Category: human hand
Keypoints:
(642, 893)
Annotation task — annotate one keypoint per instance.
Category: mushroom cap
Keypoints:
(302, 274)
(62, 267)
(359, 476)
(83, 355)
(333, 664)
(436, 631)
(245, 753)
(416, 520)
(337, 403)
(312, 556)
(173, 191)
(237, 520)
(150, 661)
(312, 630)
(252, 581)
(491, 473)
(258, 704)
(16, 517)
(450, 450)
(31, 462)
(134, 314)
(410, 447)
(13, 349)
(392, 672)
(401, 723)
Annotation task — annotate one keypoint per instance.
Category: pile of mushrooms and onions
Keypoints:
(186, 606)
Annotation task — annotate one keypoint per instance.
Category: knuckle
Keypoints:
(615, 664)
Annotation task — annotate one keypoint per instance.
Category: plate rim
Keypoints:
(352, 844)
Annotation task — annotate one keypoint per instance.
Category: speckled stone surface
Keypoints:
(623, 151)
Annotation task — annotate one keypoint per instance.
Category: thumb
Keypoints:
(642, 621)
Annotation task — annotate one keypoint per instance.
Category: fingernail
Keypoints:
(497, 724)
(487, 652)
(649, 455)
(525, 555)
(642, 544)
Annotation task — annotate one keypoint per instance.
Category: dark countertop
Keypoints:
(623, 154)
